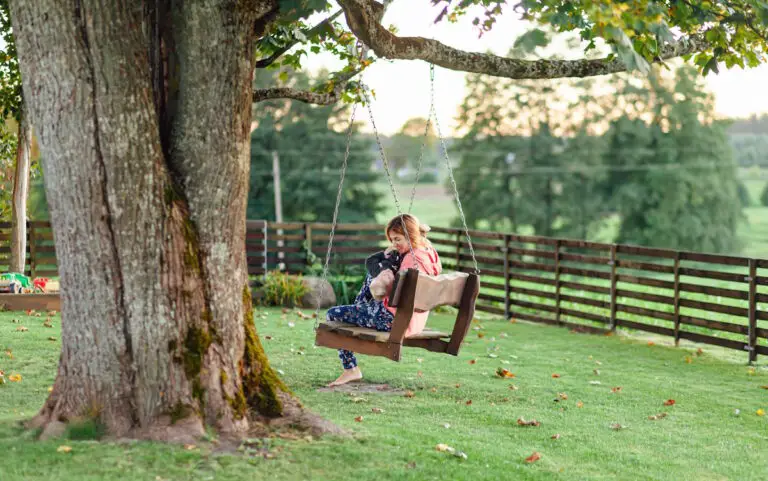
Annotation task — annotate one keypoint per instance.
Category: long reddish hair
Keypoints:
(417, 232)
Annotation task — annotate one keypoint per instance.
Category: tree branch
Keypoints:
(265, 62)
(307, 96)
(364, 21)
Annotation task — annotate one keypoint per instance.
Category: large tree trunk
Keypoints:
(143, 114)
(20, 194)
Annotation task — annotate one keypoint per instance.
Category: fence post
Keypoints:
(557, 281)
(266, 264)
(32, 250)
(505, 250)
(676, 300)
(308, 243)
(752, 331)
(612, 263)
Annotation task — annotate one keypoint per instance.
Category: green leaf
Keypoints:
(531, 40)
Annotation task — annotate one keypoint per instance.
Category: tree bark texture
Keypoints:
(143, 111)
(20, 194)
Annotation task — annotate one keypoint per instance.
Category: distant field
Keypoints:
(434, 205)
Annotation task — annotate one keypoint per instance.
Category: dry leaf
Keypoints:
(699, 351)
(359, 419)
(513, 387)
(408, 394)
(443, 448)
(377, 410)
(513, 320)
(420, 374)
(446, 426)
(688, 359)
(469, 402)
(764, 386)
(523, 422)
(617, 427)
(579, 404)
(669, 402)
(562, 396)
(555, 375)
(190, 447)
(52, 313)
(473, 361)
(480, 335)
(47, 323)
(656, 417)
(598, 363)
(651, 343)
(556, 436)
(64, 449)
(14, 378)
(268, 338)
(533, 457)
(419, 360)
(9, 353)
(760, 412)
(596, 372)
(458, 386)
(504, 373)
(616, 389)
(51, 338)
(434, 389)
(359, 400)
(22, 329)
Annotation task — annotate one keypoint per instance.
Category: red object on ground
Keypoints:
(40, 282)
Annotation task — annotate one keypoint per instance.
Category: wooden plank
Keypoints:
(717, 341)
(531, 266)
(715, 325)
(581, 244)
(532, 253)
(762, 281)
(646, 251)
(531, 317)
(443, 290)
(529, 239)
(585, 259)
(493, 285)
(585, 273)
(585, 287)
(714, 259)
(714, 307)
(533, 305)
(335, 340)
(586, 315)
(348, 227)
(709, 274)
(46, 273)
(644, 311)
(645, 266)
(24, 302)
(645, 281)
(285, 226)
(493, 261)
(534, 292)
(407, 284)
(255, 224)
(490, 297)
(644, 296)
(490, 309)
(481, 247)
(752, 312)
(585, 301)
(715, 291)
(465, 315)
(349, 237)
(533, 279)
(626, 323)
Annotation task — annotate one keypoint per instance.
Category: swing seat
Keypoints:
(412, 292)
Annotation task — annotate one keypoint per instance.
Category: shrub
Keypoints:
(281, 289)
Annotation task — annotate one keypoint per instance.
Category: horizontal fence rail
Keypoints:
(706, 298)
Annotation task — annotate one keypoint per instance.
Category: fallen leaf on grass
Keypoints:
(760, 412)
(562, 396)
(458, 386)
(15, 321)
(9, 353)
(469, 402)
(579, 404)
(408, 394)
(513, 387)
(14, 378)
(764, 387)
(64, 449)
(22, 329)
(51, 338)
(268, 338)
(377, 410)
(480, 335)
(190, 447)
(595, 383)
(651, 343)
(444, 448)
(688, 359)
(52, 313)
(411, 465)
(555, 375)
(434, 389)
(596, 372)
(523, 422)
(669, 402)
(598, 363)
(359, 400)
(616, 389)
(47, 323)
(699, 351)
(656, 417)
(473, 361)
(504, 373)
(533, 457)
(556, 436)
(359, 419)
(617, 427)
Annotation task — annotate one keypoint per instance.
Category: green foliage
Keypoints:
(10, 76)
(764, 196)
(745, 200)
(281, 289)
(310, 142)
(750, 149)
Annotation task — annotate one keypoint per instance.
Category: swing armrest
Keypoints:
(406, 283)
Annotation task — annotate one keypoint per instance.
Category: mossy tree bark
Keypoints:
(143, 111)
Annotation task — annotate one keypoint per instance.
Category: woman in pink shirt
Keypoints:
(371, 308)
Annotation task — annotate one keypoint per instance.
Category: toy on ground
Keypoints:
(14, 283)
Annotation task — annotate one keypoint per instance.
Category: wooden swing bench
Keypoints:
(412, 292)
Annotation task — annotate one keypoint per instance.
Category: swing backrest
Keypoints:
(432, 291)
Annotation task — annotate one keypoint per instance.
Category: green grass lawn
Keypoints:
(701, 438)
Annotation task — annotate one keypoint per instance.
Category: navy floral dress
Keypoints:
(365, 312)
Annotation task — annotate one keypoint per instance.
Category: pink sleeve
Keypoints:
(407, 263)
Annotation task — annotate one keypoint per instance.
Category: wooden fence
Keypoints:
(705, 298)
(712, 299)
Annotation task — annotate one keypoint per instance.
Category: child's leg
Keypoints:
(365, 291)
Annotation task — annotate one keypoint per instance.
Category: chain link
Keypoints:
(426, 133)
(450, 174)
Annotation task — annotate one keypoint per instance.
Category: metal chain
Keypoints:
(324, 277)
(453, 181)
(389, 174)
(426, 133)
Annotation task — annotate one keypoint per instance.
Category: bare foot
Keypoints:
(349, 375)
